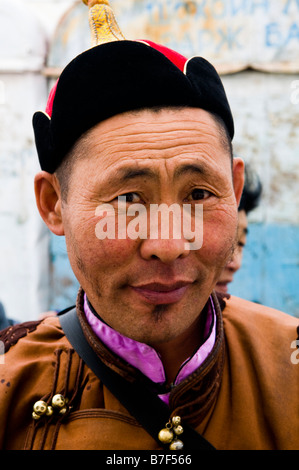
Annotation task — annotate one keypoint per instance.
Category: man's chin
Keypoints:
(222, 287)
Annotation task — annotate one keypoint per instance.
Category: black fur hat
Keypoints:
(121, 76)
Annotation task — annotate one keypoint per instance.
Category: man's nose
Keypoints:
(166, 251)
(235, 263)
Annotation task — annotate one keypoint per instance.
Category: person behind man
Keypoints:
(4, 320)
(249, 201)
(130, 126)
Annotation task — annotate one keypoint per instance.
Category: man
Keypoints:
(135, 125)
(249, 201)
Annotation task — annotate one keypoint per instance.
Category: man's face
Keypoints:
(235, 263)
(152, 290)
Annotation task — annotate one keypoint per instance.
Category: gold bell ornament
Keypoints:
(168, 435)
(58, 404)
(58, 401)
(40, 407)
(49, 411)
(176, 444)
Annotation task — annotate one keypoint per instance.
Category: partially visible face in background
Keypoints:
(227, 275)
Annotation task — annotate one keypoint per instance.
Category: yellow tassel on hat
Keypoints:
(103, 25)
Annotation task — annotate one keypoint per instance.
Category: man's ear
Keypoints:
(48, 200)
(238, 177)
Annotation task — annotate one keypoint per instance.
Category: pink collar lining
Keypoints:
(144, 357)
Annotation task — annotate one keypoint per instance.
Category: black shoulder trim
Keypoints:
(11, 335)
(221, 299)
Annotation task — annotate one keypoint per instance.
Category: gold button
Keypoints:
(165, 435)
(40, 407)
(178, 430)
(58, 401)
(176, 445)
(49, 411)
(176, 420)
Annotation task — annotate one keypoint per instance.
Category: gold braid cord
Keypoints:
(103, 25)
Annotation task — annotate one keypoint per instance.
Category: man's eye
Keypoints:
(199, 194)
(129, 197)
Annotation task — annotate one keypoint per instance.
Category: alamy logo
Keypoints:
(2, 352)
(158, 221)
(295, 93)
(295, 354)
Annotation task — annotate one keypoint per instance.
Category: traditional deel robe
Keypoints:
(245, 394)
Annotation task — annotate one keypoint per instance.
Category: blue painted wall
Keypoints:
(64, 285)
(270, 270)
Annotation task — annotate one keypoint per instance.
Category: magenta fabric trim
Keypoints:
(144, 357)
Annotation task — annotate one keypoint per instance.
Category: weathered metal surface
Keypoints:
(266, 111)
(22, 40)
(266, 117)
(71, 37)
(22, 90)
(232, 34)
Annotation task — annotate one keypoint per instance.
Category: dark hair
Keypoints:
(252, 190)
(226, 140)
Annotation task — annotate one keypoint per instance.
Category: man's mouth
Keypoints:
(222, 287)
(159, 293)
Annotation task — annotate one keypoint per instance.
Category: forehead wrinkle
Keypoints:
(154, 151)
(132, 172)
(180, 128)
(133, 135)
(179, 138)
(195, 168)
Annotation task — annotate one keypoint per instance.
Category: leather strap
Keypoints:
(144, 405)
